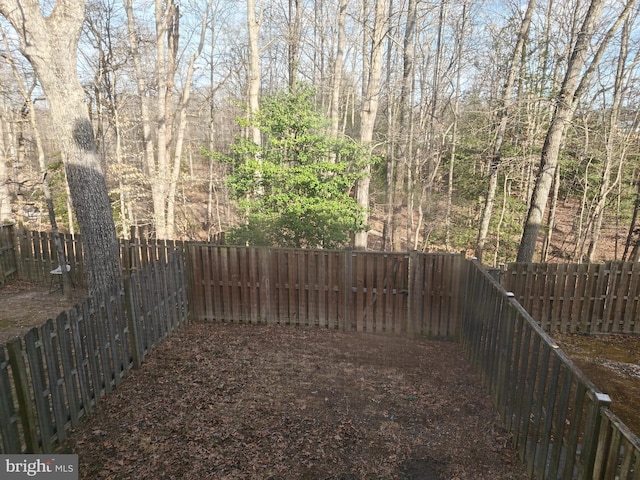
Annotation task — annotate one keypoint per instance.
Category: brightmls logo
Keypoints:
(50, 467)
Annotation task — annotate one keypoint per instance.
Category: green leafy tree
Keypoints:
(294, 189)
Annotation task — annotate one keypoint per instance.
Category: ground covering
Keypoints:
(258, 402)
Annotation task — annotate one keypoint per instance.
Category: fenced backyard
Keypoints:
(560, 422)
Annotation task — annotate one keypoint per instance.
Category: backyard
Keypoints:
(246, 401)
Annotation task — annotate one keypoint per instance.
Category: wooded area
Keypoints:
(482, 126)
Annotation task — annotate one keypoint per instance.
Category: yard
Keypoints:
(244, 401)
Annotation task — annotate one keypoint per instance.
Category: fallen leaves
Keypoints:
(257, 402)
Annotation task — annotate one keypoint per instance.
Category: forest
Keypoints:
(505, 129)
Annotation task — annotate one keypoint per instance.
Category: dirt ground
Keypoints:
(257, 402)
(24, 305)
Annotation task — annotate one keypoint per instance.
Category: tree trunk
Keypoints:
(338, 70)
(398, 174)
(551, 221)
(145, 114)
(294, 41)
(181, 110)
(369, 111)
(50, 44)
(562, 116)
(503, 116)
(253, 69)
(5, 197)
(612, 157)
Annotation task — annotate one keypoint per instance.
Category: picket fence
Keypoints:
(559, 420)
(59, 372)
(36, 255)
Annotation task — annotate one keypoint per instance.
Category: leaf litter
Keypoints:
(220, 401)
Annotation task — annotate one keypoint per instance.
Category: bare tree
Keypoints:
(294, 40)
(576, 79)
(253, 68)
(50, 44)
(614, 153)
(338, 70)
(369, 108)
(502, 119)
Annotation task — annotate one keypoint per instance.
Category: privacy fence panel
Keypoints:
(584, 298)
(559, 420)
(362, 291)
(58, 373)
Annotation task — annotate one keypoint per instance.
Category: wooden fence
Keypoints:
(33, 254)
(584, 298)
(559, 420)
(58, 373)
(414, 294)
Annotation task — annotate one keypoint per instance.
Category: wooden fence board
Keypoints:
(55, 380)
(631, 323)
(41, 393)
(27, 408)
(83, 369)
(302, 270)
(8, 419)
(68, 369)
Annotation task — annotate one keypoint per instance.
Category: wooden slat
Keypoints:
(82, 370)
(632, 305)
(282, 268)
(293, 288)
(8, 418)
(311, 287)
(27, 408)
(559, 297)
(55, 380)
(41, 393)
(322, 287)
(267, 294)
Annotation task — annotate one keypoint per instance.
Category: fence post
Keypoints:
(592, 433)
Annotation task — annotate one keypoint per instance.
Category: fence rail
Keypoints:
(584, 298)
(59, 372)
(559, 420)
(414, 294)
